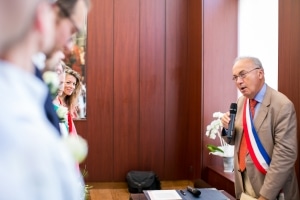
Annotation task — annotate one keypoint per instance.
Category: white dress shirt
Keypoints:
(34, 163)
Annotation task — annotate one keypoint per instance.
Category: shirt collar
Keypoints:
(260, 95)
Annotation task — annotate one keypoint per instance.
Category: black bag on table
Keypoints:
(142, 180)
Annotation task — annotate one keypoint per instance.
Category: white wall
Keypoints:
(258, 35)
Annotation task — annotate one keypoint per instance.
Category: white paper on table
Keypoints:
(164, 195)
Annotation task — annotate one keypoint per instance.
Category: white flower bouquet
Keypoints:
(213, 130)
(52, 81)
(62, 112)
(78, 147)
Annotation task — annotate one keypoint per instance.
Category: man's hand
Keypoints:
(225, 120)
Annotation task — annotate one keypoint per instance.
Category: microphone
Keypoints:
(232, 111)
(194, 191)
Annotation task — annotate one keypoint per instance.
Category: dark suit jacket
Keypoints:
(276, 125)
(49, 108)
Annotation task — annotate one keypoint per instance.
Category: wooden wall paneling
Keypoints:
(152, 85)
(100, 91)
(289, 60)
(194, 86)
(126, 146)
(176, 90)
(220, 50)
(143, 87)
(81, 128)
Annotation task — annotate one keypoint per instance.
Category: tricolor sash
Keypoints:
(257, 152)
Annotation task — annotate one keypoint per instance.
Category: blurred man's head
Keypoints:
(26, 26)
(11, 26)
(71, 17)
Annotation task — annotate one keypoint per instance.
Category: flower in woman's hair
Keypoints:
(62, 112)
(52, 81)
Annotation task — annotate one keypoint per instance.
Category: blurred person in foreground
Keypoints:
(265, 137)
(34, 163)
(70, 18)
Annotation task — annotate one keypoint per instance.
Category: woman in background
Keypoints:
(70, 95)
(67, 99)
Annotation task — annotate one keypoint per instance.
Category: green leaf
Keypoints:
(213, 148)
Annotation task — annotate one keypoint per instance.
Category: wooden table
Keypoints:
(217, 178)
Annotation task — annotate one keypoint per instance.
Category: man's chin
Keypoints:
(52, 51)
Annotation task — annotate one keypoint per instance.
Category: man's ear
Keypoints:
(41, 16)
(44, 25)
(261, 73)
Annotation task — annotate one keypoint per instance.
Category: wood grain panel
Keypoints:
(126, 87)
(152, 85)
(194, 89)
(220, 50)
(100, 91)
(289, 60)
(81, 127)
(145, 85)
(176, 90)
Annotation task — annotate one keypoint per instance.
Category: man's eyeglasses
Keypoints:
(67, 14)
(243, 74)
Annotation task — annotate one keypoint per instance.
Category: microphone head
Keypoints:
(233, 108)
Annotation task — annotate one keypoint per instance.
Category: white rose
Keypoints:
(62, 113)
(52, 80)
(77, 146)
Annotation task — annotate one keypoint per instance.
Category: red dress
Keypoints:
(72, 129)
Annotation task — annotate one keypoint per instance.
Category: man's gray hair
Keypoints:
(255, 60)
